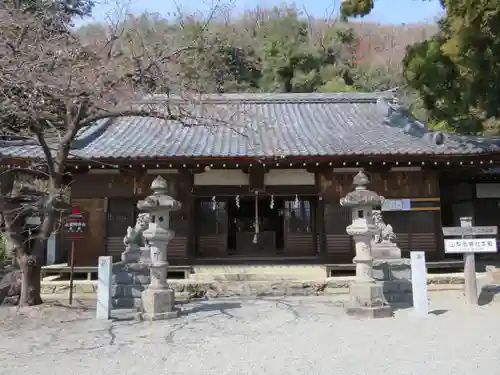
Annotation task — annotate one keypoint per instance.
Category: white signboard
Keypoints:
(104, 273)
(468, 231)
(472, 245)
(396, 205)
(419, 283)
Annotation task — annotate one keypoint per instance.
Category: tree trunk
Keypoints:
(31, 284)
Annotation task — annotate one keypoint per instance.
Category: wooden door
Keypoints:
(122, 213)
(339, 245)
(93, 245)
(415, 230)
(298, 236)
(212, 228)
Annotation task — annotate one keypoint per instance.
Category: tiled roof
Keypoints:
(268, 125)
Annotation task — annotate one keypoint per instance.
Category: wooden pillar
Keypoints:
(434, 190)
(190, 211)
(320, 218)
(320, 225)
(438, 236)
(314, 225)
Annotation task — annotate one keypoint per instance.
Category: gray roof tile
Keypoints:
(269, 125)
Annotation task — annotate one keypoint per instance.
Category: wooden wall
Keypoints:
(388, 184)
(109, 201)
(419, 229)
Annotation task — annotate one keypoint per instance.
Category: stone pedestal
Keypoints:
(392, 269)
(367, 301)
(367, 298)
(132, 254)
(158, 304)
(386, 251)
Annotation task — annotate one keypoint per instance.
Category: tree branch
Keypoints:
(45, 148)
(129, 113)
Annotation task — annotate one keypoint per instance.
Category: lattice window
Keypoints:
(298, 215)
(210, 221)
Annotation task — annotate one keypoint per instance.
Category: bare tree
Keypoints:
(52, 84)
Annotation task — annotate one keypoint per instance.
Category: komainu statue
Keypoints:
(134, 240)
(384, 240)
(384, 233)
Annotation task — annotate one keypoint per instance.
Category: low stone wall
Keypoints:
(392, 269)
(129, 280)
(80, 287)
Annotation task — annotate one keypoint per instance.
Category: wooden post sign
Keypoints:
(469, 245)
(74, 229)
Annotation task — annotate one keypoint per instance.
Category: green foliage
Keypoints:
(71, 8)
(441, 126)
(280, 50)
(289, 63)
(442, 87)
(356, 8)
(293, 58)
(336, 85)
(456, 72)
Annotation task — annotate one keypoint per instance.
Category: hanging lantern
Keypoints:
(271, 205)
(214, 203)
(237, 201)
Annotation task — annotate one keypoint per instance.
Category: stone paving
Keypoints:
(294, 335)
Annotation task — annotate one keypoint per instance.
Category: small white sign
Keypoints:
(104, 273)
(396, 205)
(419, 283)
(472, 245)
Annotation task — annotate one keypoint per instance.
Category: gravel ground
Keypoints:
(308, 335)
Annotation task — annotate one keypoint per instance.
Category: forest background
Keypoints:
(285, 49)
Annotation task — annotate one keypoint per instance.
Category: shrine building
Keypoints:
(260, 177)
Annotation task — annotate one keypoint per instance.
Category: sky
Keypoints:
(385, 11)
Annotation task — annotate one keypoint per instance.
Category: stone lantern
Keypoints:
(366, 296)
(158, 300)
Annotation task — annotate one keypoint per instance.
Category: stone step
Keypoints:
(258, 273)
(299, 269)
(230, 277)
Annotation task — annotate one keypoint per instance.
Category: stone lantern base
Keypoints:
(386, 251)
(158, 304)
(367, 301)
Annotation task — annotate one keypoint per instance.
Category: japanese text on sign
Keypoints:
(396, 205)
(75, 224)
(478, 245)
